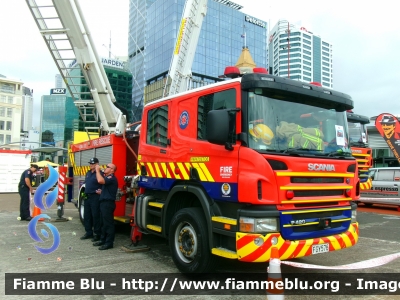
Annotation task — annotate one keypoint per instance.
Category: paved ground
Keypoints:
(379, 236)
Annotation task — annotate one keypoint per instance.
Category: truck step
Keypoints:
(124, 220)
(224, 220)
(154, 228)
(156, 204)
(224, 253)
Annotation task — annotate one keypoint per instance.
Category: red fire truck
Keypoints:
(359, 147)
(234, 168)
(227, 170)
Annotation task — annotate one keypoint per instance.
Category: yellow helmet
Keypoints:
(263, 132)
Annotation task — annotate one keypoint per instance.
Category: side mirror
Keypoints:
(218, 126)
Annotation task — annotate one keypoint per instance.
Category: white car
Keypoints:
(385, 187)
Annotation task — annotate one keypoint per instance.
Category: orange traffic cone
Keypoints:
(36, 212)
(275, 276)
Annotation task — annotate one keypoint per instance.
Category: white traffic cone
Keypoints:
(275, 276)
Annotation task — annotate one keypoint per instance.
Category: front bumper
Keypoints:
(248, 251)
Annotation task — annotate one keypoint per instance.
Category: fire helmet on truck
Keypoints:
(262, 132)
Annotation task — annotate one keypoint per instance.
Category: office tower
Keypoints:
(120, 80)
(153, 27)
(59, 115)
(59, 82)
(303, 56)
(27, 109)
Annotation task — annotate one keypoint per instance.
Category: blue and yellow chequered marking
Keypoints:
(82, 170)
(179, 170)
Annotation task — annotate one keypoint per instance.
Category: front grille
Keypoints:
(316, 180)
(314, 228)
(302, 205)
(318, 193)
(316, 215)
(304, 224)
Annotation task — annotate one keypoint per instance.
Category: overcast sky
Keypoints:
(365, 39)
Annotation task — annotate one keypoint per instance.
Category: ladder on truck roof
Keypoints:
(180, 71)
(68, 39)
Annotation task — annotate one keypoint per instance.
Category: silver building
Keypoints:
(304, 56)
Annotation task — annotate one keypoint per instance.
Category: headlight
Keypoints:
(353, 216)
(258, 225)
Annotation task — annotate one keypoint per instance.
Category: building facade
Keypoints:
(30, 139)
(59, 82)
(120, 80)
(27, 109)
(59, 115)
(303, 56)
(10, 112)
(225, 31)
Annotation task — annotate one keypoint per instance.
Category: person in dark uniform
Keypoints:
(91, 214)
(25, 190)
(107, 205)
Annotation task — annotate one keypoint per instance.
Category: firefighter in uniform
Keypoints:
(91, 214)
(25, 190)
(107, 205)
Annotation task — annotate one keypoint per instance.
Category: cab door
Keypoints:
(216, 168)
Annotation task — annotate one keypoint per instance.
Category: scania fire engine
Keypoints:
(234, 168)
(230, 169)
(358, 137)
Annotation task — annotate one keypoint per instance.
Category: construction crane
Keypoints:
(64, 29)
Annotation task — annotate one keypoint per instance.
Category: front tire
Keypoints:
(189, 243)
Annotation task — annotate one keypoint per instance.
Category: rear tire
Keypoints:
(189, 243)
(82, 210)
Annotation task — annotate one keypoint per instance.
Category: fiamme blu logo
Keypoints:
(52, 232)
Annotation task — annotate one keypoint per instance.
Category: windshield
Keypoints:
(358, 134)
(289, 127)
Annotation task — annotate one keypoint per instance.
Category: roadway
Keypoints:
(379, 236)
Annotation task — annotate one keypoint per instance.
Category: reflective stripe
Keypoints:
(316, 138)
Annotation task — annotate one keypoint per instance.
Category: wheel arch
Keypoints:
(186, 196)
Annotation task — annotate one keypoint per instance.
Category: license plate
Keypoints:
(320, 248)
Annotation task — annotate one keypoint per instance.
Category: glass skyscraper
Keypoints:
(120, 80)
(304, 56)
(58, 117)
(225, 30)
